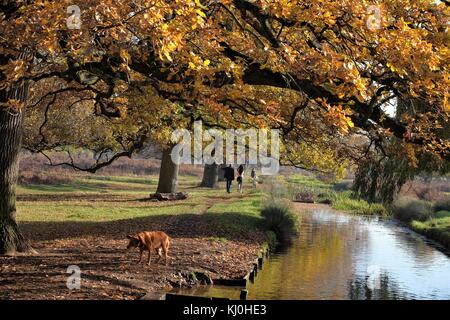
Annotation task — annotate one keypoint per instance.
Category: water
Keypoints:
(338, 256)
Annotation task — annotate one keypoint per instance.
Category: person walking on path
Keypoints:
(229, 177)
(240, 178)
(254, 177)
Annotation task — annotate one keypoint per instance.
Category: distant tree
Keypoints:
(382, 173)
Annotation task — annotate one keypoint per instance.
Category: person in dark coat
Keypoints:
(229, 177)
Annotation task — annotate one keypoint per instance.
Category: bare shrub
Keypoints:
(34, 168)
(429, 190)
(408, 209)
(29, 177)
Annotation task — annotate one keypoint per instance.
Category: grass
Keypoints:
(424, 217)
(151, 180)
(408, 209)
(310, 182)
(337, 195)
(96, 212)
(104, 184)
(238, 217)
(320, 195)
(442, 205)
(279, 220)
(345, 202)
(436, 228)
(442, 214)
(103, 199)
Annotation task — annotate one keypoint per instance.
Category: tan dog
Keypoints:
(146, 240)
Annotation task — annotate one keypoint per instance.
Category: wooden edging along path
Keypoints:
(251, 276)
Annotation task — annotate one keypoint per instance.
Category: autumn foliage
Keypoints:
(321, 70)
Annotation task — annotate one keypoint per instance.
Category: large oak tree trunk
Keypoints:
(11, 131)
(210, 176)
(168, 174)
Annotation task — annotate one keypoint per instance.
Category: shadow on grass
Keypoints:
(94, 186)
(125, 180)
(232, 226)
(67, 197)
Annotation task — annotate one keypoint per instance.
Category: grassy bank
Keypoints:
(425, 217)
(436, 228)
(337, 195)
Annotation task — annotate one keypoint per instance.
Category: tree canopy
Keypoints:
(320, 70)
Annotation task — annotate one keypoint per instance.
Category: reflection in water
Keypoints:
(362, 289)
(338, 256)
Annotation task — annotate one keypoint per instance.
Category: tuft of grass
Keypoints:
(280, 220)
(442, 205)
(408, 209)
(271, 239)
(326, 196)
(305, 194)
(442, 214)
(345, 202)
(320, 195)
